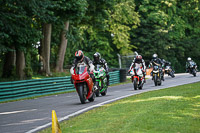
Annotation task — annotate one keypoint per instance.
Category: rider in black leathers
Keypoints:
(157, 62)
(166, 63)
(80, 58)
(189, 60)
(101, 61)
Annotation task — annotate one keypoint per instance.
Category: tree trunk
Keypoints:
(46, 47)
(62, 50)
(20, 64)
(9, 63)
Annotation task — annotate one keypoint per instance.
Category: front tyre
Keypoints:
(135, 83)
(194, 72)
(155, 79)
(81, 94)
(105, 87)
(97, 92)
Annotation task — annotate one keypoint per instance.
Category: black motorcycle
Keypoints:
(192, 68)
(169, 71)
(157, 75)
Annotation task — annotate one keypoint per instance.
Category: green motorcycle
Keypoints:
(101, 80)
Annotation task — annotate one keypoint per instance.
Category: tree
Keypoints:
(69, 10)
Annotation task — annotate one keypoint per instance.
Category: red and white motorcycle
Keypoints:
(137, 77)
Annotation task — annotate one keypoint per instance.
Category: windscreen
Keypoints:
(155, 68)
(80, 69)
(97, 67)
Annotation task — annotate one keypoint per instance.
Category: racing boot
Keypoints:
(144, 77)
(152, 75)
(163, 78)
(95, 88)
(108, 82)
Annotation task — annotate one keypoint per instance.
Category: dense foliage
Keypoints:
(170, 28)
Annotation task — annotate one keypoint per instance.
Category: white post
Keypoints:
(120, 64)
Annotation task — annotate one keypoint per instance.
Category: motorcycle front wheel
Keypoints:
(135, 83)
(155, 79)
(172, 74)
(81, 94)
(97, 92)
(105, 87)
(194, 72)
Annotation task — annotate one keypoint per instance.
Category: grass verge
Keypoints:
(171, 110)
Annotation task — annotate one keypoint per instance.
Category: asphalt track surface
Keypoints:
(30, 116)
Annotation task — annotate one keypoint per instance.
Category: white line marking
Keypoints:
(14, 112)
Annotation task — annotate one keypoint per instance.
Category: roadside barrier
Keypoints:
(37, 87)
(114, 77)
(55, 123)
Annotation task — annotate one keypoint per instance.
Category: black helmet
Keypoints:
(97, 56)
(79, 55)
(155, 56)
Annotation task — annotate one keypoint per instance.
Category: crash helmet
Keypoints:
(155, 56)
(79, 55)
(139, 57)
(189, 59)
(97, 57)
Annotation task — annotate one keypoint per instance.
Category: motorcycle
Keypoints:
(137, 78)
(193, 68)
(101, 80)
(156, 73)
(169, 71)
(83, 83)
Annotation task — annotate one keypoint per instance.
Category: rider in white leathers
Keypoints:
(139, 62)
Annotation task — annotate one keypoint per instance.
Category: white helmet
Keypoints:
(155, 56)
(189, 59)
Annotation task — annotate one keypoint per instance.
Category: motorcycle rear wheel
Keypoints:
(104, 93)
(82, 96)
(91, 99)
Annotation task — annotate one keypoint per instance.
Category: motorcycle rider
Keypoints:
(98, 60)
(189, 60)
(139, 61)
(157, 62)
(166, 63)
(81, 59)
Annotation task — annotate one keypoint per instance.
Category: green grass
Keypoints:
(171, 110)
